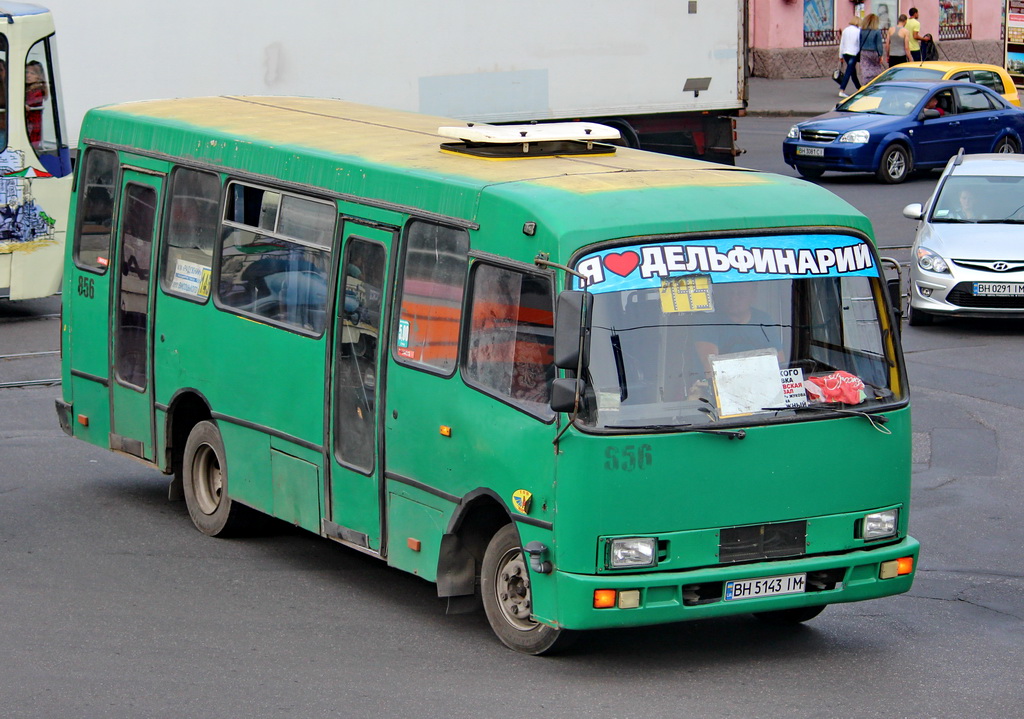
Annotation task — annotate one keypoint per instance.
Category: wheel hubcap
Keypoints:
(896, 165)
(512, 591)
(207, 479)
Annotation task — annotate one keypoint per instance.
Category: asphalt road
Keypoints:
(112, 605)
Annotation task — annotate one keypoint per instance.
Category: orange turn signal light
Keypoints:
(904, 565)
(604, 598)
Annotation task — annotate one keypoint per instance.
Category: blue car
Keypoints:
(893, 128)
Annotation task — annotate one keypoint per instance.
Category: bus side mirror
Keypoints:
(564, 392)
(572, 329)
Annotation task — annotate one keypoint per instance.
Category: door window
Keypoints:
(355, 356)
(133, 296)
(191, 233)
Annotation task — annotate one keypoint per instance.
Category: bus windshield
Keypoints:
(708, 343)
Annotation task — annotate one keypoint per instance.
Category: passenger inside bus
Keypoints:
(737, 325)
(36, 93)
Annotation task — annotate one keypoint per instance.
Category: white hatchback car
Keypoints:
(968, 255)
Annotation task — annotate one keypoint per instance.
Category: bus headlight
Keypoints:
(632, 552)
(879, 525)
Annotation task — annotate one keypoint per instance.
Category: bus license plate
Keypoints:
(810, 151)
(765, 587)
(998, 289)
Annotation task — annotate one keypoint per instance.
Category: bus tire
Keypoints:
(205, 483)
(790, 617)
(505, 591)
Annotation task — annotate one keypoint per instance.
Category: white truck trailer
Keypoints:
(669, 74)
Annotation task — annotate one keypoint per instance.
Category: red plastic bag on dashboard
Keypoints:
(836, 387)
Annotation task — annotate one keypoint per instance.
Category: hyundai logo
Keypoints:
(1000, 266)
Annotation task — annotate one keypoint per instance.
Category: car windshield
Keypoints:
(901, 72)
(884, 100)
(975, 198)
(710, 350)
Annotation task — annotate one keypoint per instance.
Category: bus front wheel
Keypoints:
(205, 483)
(507, 599)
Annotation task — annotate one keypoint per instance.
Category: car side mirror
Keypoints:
(927, 114)
(914, 211)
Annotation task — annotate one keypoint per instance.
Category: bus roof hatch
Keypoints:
(533, 140)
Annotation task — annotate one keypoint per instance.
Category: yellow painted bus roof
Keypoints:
(408, 140)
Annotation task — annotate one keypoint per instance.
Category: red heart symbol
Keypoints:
(622, 264)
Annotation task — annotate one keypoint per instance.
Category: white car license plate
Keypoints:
(999, 289)
(810, 151)
(765, 587)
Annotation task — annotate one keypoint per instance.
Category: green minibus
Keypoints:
(582, 385)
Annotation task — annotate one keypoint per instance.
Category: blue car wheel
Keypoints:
(895, 165)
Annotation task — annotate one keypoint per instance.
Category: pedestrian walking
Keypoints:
(849, 47)
(872, 49)
(896, 50)
(914, 34)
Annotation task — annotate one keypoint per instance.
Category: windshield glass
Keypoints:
(897, 100)
(975, 198)
(718, 333)
(903, 72)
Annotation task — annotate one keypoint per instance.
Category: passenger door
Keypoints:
(355, 486)
(131, 386)
(979, 119)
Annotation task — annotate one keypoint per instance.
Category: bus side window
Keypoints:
(511, 337)
(42, 113)
(97, 192)
(3, 91)
(432, 284)
(192, 226)
(276, 255)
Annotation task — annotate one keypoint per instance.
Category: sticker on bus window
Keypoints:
(729, 259)
(403, 334)
(746, 382)
(191, 278)
(691, 293)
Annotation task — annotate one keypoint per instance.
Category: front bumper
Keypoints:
(671, 596)
(952, 295)
(837, 157)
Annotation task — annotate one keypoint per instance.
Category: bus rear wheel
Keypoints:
(789, 617)
(507, 599)
(205, 484)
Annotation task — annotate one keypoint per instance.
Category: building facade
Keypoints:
(800, 38)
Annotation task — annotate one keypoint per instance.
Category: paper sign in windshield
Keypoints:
(726, 260)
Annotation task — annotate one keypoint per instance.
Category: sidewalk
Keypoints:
(792, 98)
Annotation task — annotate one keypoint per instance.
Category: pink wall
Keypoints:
(776, 24)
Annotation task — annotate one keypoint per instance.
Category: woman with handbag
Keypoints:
(872, 48)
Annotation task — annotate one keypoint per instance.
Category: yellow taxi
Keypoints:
(991, 76)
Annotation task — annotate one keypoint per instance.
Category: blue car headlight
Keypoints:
(930, 261)
(856, 136)
(794, 133)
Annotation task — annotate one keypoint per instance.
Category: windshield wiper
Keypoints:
(620, 367)
(1004, 221)
(876, 420)
(730, 433)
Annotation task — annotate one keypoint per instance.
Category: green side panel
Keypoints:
(409, 523)
(249, 470)
(297, 490)
(92, 400)
(491, 445)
